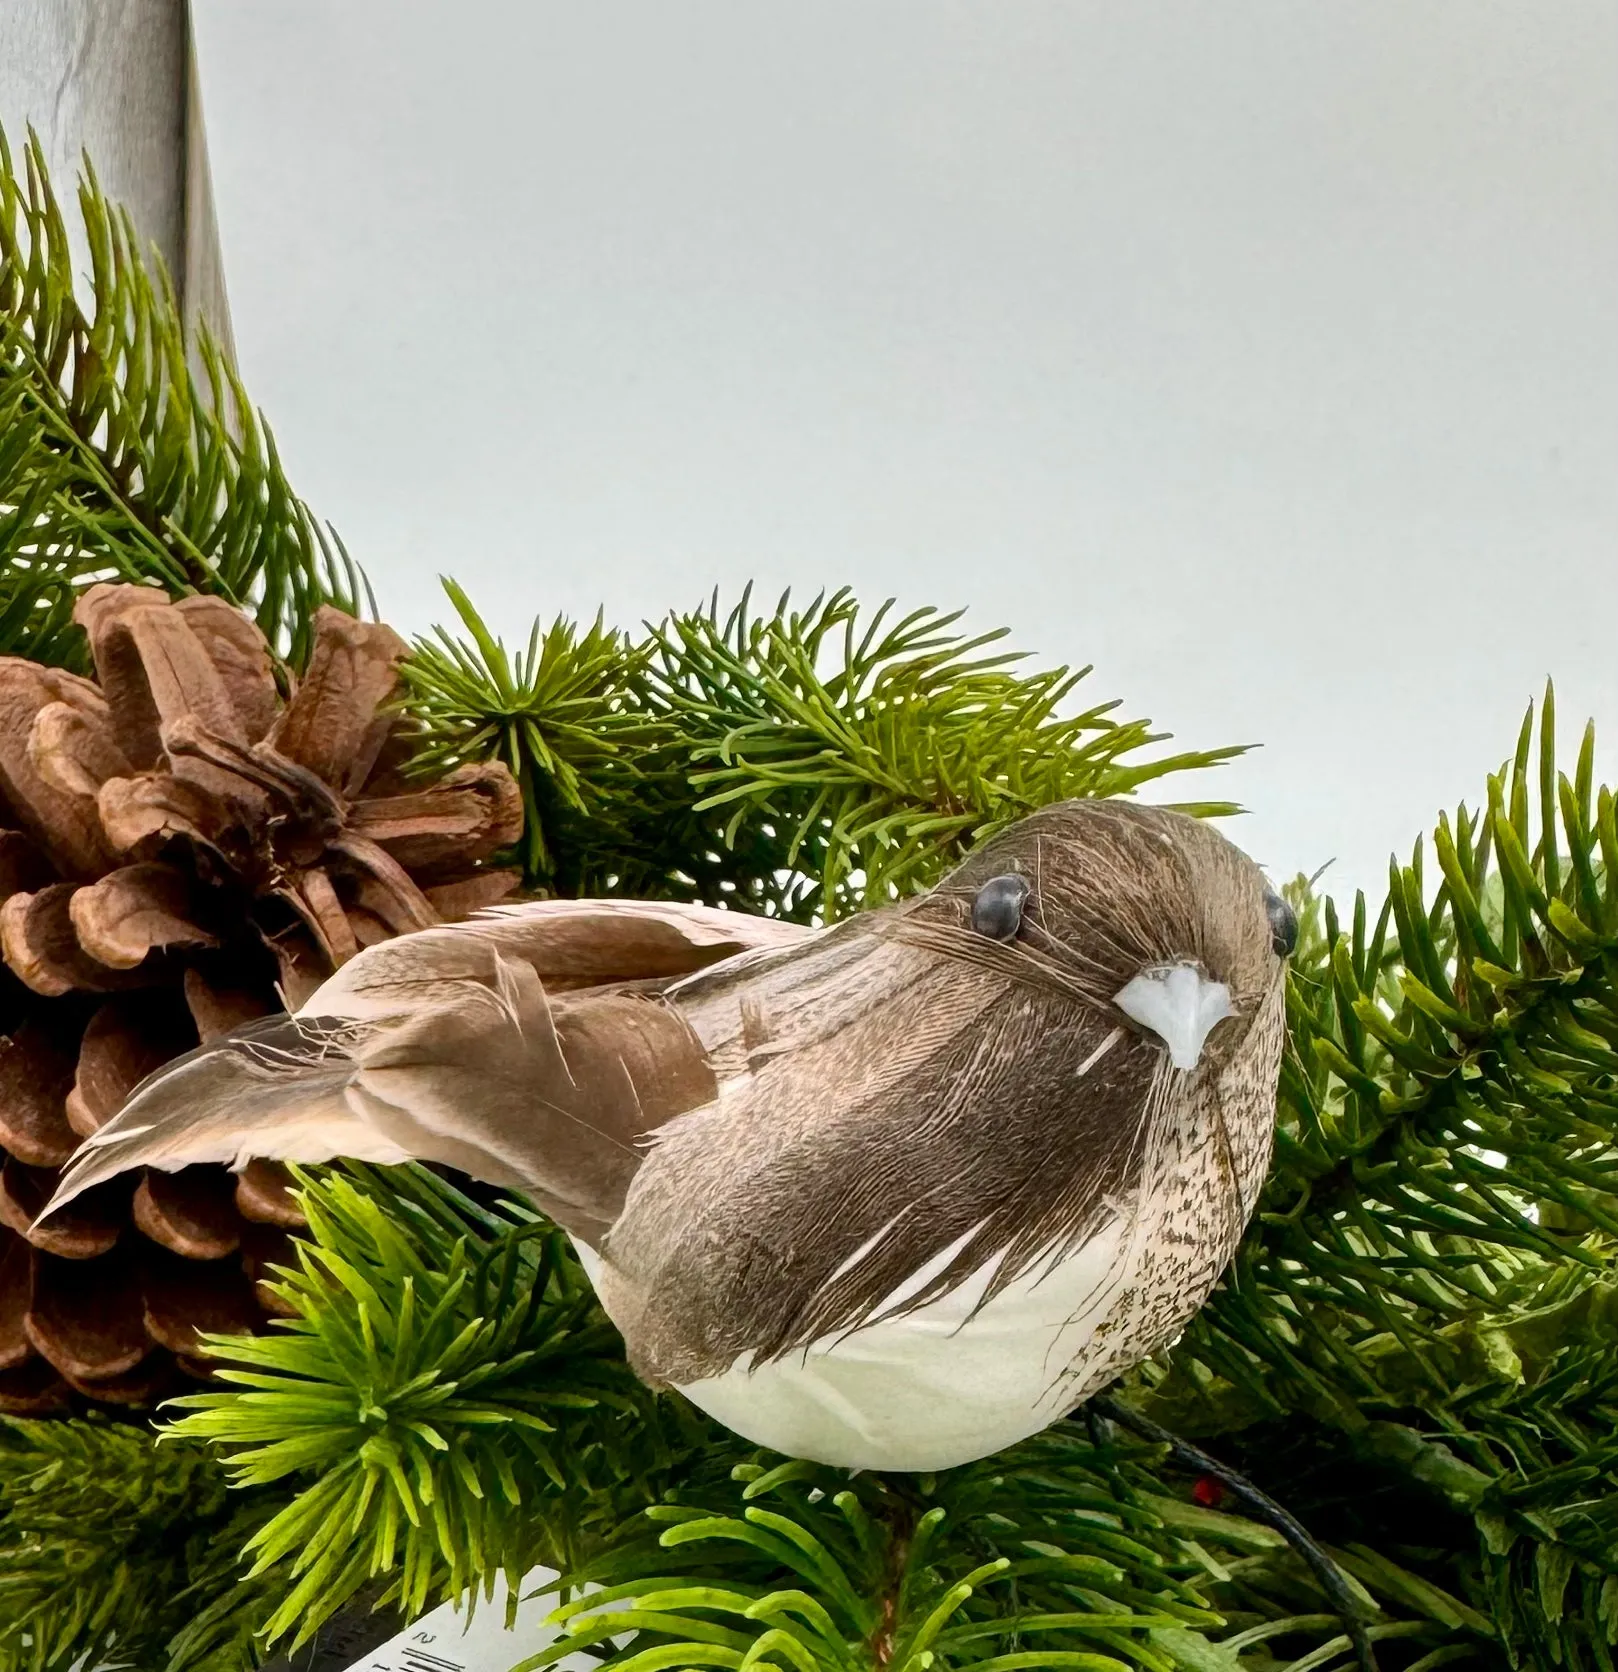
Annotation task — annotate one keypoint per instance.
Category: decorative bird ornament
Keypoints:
(892, 1194)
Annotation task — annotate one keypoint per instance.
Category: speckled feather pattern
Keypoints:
(1212, 1156)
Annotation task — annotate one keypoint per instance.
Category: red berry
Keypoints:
(1208, 1492)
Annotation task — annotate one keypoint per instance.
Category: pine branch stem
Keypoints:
(884, 1639)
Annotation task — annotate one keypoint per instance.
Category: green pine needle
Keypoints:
(444, 1402)
(1428, 1291)
(877, 750)
(114, 463)
(805, 764)
(562, 714)
(109, 1546)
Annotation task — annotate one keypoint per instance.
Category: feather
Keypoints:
(272, 1090)
(447, 1046)
(568, 944)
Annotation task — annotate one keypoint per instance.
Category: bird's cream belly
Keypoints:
(942, 1385)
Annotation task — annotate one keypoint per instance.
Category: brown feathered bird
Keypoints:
(892, 1194)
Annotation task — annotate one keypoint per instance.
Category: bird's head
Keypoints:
(1148, 915)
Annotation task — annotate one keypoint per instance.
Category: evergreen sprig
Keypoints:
(805, 763)
(563, 714)
(108, 1546)
(114, 463)
(1427, 1294)
(1049, 1548)
(440, 1397)
(1062, 1552)
(877, 750)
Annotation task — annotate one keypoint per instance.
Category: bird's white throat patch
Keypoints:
(1180, 1005)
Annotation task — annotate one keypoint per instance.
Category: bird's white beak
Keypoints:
(1180, 1005)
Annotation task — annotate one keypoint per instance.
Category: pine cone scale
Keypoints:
(64, 825)
(191, 851)
(257, 777)
(332, 725)
(142, 813)
(127, 1039)
(264, 1197)
(152, 1379)
(218, 1009)
(137, 910)
(240, 657)
(36, 1072)
(15, 1347)
(32, 1389)
(89, 1227)
(184, 1299)
(470, 815)
(456, 900)
(85, 1315)
(154, 669)
(40, 942)
(313, 897)
(73, 751)
(191, 1213)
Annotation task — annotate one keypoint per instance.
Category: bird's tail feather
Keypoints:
(275, 1089)
(445, 1046)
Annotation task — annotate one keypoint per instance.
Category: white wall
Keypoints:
(1263, 354)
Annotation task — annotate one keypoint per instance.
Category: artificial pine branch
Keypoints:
(878, 750)
(105, 1542)
(806, 763)
(801, 1565)
(1058, 1553)
(114, 464)
(564, 715)
(448, 1399)
(1427, 1290)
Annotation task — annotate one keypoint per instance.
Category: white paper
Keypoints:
(446, 1641)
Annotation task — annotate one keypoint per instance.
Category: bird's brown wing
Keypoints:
(509, 1047)
(568, 944)
(896, 1102)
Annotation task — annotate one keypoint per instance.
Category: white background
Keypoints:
(1263, 354)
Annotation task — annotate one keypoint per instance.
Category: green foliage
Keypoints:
(878, 751)
(807, 763)
(562, 714)
(114, 464)
(1427, 1295)
(449, 1398)
(1049, 1548)
(109, 1545)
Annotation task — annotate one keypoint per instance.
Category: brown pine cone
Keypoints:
(183, 849)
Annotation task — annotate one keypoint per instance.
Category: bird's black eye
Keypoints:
(1283, 924)
(997, 907)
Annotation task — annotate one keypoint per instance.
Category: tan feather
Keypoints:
(447, 1046)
